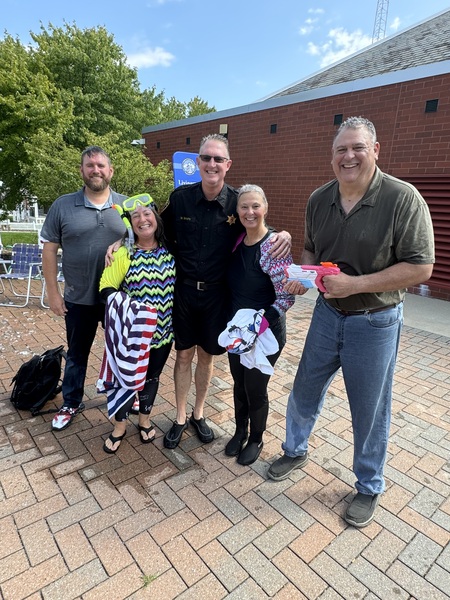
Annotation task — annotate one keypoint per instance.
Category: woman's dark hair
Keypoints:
(159, 233)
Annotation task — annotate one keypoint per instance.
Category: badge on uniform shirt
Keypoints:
(231, 219)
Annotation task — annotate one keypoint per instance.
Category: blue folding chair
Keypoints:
(25, 266)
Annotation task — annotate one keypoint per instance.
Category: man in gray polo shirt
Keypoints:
(83, 225)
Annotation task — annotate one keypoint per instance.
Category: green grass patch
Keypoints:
(147, 579)
(9, 238)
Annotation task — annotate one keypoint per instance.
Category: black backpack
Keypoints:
(37, 381)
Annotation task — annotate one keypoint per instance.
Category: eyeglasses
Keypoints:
(217, 159)
(132, 203)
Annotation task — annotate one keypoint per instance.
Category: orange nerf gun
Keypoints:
(311, 276)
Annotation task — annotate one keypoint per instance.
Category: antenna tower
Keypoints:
(379, 28)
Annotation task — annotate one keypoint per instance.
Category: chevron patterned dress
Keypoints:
(151, 279)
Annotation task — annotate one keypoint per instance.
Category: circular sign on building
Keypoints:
(188, 166)
(185, 168)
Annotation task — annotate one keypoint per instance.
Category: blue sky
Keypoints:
(228, 52)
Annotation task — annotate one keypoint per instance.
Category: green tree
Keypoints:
(52, 168)
(29, 103)
(197, 107)
(91, 71)
(158, 109)
(135, 175)
(69, 89)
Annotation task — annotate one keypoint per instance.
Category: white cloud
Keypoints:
(306, 30)
(340, 43)
(308, 27)
(314, 49)
(151, 57)
(316, 11)
(395, 24)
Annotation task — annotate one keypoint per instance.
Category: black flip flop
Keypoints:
(113, 440)
(146, 430)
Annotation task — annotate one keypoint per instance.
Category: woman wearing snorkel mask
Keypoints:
(144, 270)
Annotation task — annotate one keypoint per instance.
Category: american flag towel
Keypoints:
(129, 328)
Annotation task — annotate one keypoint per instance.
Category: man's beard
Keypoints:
(97, 184)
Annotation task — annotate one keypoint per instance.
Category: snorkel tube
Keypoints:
(129, 237)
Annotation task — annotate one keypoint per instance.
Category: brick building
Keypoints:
(283, 142)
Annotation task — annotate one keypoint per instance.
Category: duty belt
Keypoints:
(203, 286)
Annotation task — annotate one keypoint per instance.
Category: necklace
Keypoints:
(152, 247)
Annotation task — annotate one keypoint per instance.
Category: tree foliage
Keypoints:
(69, 89)
(158, 109)
(29, 103)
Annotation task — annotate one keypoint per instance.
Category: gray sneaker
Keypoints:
(361, 509)
(284, 466)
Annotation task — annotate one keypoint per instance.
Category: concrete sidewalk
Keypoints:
(428, 314)
(192, 523)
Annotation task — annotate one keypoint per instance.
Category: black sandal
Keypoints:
(113, 440)
(146, 430)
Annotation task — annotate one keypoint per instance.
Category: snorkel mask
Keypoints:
(128, 206)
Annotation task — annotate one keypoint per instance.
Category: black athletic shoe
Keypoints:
(235, 445)
(173, 436)
(204, 431)
(361, 509)
(250, 453)
(284, 466)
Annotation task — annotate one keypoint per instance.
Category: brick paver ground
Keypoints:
(191, 523)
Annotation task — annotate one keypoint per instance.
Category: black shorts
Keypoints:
(199, 317)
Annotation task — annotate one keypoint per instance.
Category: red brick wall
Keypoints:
(296, 159)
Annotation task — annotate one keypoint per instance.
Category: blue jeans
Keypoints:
(365, 347)
(81, 326)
